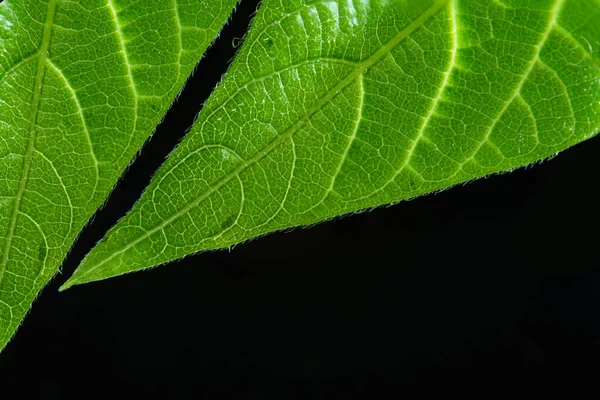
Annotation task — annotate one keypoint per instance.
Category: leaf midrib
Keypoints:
(37, 90)
(361, 68)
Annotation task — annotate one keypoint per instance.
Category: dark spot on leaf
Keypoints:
(42, 252)
(412, 183)
(228, 222)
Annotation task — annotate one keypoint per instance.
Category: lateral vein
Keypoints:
(82, 117)
(538, 49)
(119, 31)
(438, 98)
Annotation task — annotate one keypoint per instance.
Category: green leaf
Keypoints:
(337, 106)
(82, 85)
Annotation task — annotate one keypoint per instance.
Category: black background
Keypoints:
(494, 280)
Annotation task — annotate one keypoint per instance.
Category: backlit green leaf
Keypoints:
(335, 106)
(82, 85)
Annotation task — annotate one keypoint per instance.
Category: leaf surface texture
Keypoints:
(82, 85)
(335, 106)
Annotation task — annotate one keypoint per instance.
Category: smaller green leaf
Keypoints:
(337, 106)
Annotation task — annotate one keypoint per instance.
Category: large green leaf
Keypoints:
(336, 106)
(82, 86)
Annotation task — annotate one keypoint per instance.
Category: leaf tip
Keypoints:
(76, 279)
(67, 285)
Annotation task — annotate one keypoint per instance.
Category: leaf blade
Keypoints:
(323, 140)
(82, 86)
